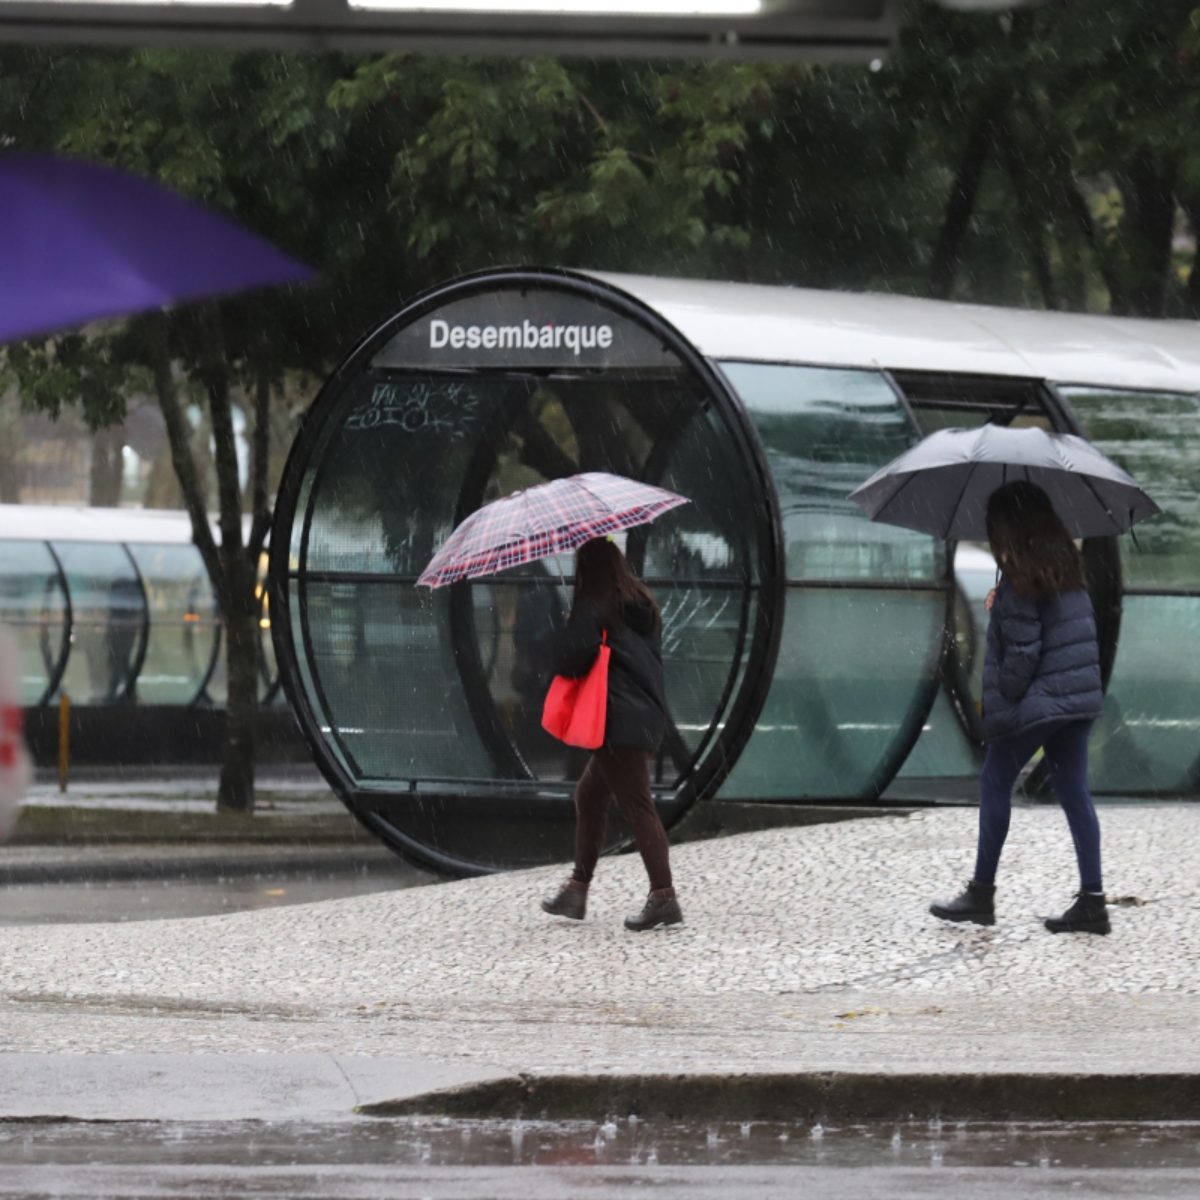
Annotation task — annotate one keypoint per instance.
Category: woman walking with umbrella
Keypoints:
(611, 609)
(1029, 492)
(1041, 690)
(611, 605)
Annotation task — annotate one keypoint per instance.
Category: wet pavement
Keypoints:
(153, 899)
(608, 1157)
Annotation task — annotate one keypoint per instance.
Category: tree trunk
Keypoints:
(239, 604)
(1028, 212)
(1191, 207)
(232, 567)
(235, 792)
(1148, 189)
(961, 203)
(1077, 206)
(107, 467)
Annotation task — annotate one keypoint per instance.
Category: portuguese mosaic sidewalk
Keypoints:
(804, 950)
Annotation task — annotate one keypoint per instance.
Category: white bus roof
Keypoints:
(70, 523)
(755, 323)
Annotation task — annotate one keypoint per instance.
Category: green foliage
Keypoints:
(393, 172)
(71, 369)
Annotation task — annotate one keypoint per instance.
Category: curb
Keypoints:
(815, 1096)
(213, 866)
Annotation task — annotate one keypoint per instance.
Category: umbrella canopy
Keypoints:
(941, 486)
(547, 519)
(80, 242)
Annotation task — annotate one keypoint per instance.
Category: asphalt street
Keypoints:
(598, 1160)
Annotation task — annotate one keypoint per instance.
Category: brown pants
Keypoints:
(626, 775)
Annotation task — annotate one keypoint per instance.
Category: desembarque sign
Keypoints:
(530, 329)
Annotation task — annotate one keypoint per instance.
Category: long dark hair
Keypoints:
(1030, 542)
(604, 577)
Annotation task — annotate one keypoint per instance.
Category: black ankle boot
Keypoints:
(1089, 914)
(661, 908)
(571, 901)
(976, 904)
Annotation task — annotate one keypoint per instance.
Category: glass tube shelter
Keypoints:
(810, 654)
(112, 607)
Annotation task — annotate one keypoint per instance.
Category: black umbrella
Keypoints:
(941, 486)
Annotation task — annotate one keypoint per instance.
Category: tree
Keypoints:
(249, 134)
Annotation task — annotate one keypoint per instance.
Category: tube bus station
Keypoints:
(811, 655)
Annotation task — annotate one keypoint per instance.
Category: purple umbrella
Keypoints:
(545, 520)
(79, 242)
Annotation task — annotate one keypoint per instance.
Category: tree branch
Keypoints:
(596, 115)
(1078, 208)
(1191, 209)
(261, 524)
(179, 440)
(961, 202)
(229, 492)
(1014, 166)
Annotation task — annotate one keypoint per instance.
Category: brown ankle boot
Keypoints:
(571, 901)
(661, 908)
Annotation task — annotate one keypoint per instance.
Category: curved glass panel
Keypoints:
(1155, 436)
(184, 624)
(826, 431)
(34, 605)
(110, 622)
(845, 696)
(381, 654)
(857, 666)
(942, 753)
(1148, 739)
(430, 701)
(699, 559)
(975, 573)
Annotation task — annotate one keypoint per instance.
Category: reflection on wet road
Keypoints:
(612, 1157)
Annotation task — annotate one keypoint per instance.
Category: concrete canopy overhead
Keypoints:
(829, 30)
(750, 322)
(826, 30)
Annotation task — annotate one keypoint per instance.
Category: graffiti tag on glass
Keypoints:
(448, 409)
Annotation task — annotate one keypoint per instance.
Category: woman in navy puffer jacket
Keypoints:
(1041, 690)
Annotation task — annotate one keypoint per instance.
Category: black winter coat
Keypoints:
(1042, 664)
(637, 694)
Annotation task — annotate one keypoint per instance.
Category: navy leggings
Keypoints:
(1066, 747)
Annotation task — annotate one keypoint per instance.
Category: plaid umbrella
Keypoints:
(544, 520)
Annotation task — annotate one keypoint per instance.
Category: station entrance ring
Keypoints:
(422, 707)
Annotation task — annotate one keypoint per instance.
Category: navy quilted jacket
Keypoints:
(1042, 665)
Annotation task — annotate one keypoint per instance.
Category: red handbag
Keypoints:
(576, 709)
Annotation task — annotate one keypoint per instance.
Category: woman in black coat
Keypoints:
(610, 599)
(1041, 690)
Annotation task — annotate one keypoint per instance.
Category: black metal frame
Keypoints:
(139, 655)
(314, 432)
(64, 654)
